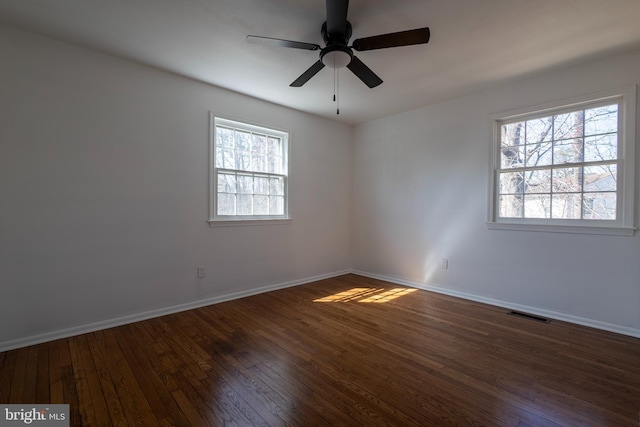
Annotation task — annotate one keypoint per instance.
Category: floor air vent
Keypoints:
(529, 316)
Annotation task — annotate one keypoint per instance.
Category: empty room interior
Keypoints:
(246, 212)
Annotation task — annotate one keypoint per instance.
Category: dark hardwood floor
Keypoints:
(344, 351)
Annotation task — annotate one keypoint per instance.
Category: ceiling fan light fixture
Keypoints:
(336, 56)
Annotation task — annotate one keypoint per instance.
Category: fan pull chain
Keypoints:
(334, 81)
(336, 85)
(338, 91)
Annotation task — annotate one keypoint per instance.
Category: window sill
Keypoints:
(248, 222)
(572, 229)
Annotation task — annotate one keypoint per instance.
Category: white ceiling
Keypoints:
(474, 43)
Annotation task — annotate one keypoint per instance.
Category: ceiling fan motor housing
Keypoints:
(336, 54)
(331, 39)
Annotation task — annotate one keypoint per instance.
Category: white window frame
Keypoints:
(623, 225)
(214, 218)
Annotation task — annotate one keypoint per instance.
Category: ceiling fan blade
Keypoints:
(401, 38)
(312, 71)
(282, 43)
(337, 17)
(364, 73)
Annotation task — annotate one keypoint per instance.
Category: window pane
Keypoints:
(261, 185)
(226, 183)
(538, 181)
(511, 182)
(539, 154)
(274, 164)
(259, 143)
(274, 155)
(601, 120)
(566, 206)
(599, 206)
(245, 184)
(245, 204)
(224, 137)
(243, 161)
(276, 187)
(512, 134)
(539, 130)
(603, 147)
(567, 180)
(510, 206)
(568, 126)
(243, 140)
(274, 147)
(568, 151)
(260, 205)
(512, 157)
(259, 163)
(537, 205)
(600, 178)
(225, 158)
(276, 205)
(226, 204)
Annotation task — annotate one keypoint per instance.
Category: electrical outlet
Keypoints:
(444, 264)
(201, 272)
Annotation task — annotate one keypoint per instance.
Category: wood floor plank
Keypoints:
(18, 376)
(135, 406)
(6, 376)
(70, 391)
(98, 351)
(31, 373)
(90, 391)
(189, 411)
(154, 389)
(43, 388)
(338, 352)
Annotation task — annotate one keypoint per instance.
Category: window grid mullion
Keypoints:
(559, 166)
(262, 174)
(584, 128)
(553, 147)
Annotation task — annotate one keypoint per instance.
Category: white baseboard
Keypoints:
(623, 330)
(132, 318)
(123, 320)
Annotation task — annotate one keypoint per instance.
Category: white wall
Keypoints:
(103, 192)
(420, 195)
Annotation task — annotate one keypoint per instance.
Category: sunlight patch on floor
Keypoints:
(372, 295)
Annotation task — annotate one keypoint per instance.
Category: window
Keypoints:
(249, 170)
(566, 168)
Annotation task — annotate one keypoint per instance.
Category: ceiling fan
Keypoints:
(336, 32)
